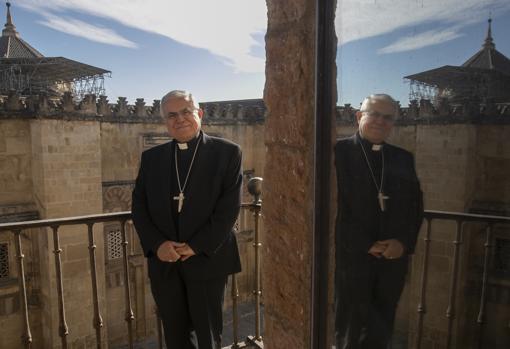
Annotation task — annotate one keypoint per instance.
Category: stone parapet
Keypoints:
(14, 106)
(442, 112)
(225, 112)
(245, 111)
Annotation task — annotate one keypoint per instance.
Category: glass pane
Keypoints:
(447, 65)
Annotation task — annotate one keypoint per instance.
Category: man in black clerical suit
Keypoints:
(185, 204)
(380, 212)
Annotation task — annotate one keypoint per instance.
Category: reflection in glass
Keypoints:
(447, 64)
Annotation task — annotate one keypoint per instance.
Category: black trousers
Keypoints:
(367, 291)
(191, 310)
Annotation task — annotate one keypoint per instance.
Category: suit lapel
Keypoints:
(361, 171)
(165, 178)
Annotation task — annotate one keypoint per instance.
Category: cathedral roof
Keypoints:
(12, 45)
(485, 75)
(488, 57)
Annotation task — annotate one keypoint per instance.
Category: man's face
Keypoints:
(376, 123)
(183, 120)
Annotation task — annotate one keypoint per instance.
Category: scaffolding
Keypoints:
(51, 76)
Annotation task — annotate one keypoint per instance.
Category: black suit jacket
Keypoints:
(359, 220)
(211, 206)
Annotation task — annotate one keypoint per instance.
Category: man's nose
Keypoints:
(180, 117)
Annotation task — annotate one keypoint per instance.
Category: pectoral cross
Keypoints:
(381, 198)
(180, 197)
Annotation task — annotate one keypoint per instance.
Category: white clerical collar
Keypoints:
(182, 146)
(374, 146)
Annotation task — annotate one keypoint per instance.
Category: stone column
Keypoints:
(446, 166)
(289, 173)
(66, 163)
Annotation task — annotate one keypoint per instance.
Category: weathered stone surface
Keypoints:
(288, 182)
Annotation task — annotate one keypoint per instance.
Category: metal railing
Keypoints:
(451, 312)
(17, 228)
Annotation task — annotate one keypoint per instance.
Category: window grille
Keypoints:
(114, 244)
(4, 261)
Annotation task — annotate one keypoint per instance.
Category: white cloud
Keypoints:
(227, 28)
(428, 38)
(87, 31)
(223, 27)
(360, 19)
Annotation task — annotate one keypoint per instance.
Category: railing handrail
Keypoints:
(466, 217)
(93, 218)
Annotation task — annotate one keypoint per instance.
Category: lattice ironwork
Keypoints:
(4, 261)
(114, 244)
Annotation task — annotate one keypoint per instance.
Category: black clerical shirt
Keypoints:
(375, 159)
(184, 157)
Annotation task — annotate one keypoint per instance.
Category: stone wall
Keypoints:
(463, 167)
(59, 158)
(289, 182)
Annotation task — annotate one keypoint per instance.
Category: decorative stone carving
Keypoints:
(88, 105)
(103, 108)
(239, 111)
(156, 108)
(412, 111)
(426, 109)
(117, 198)
(443, 106)
(43, 106)
(31, 103)
(67, 102)
(140, 110)
(212, 108)
(122, 109)
(13, 102)
(229, 113)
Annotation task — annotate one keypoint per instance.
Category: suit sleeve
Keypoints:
(150, 237)
(415, 211)
(353, 237)
(218, 228)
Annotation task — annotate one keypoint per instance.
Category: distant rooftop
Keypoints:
(488, 57)
(26, 71)
(486, 76)
(12, 45)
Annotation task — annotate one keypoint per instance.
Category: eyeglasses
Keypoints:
(377, 115)
(185, 113)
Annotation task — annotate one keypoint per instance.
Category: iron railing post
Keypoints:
(26, 336)
(98, 320)
(63, 329)
(130, 317)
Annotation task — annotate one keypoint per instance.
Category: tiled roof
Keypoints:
(11, 45)
(15, 47)
(488, 57)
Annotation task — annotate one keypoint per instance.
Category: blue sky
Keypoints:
(216, 48)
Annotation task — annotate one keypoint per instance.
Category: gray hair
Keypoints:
(379, 97)
(179, 94)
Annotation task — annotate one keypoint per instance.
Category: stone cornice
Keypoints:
(247, 111)
(425, 113)
(91, 108)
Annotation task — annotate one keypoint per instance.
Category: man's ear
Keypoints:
(200, 113)
(358, 116)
